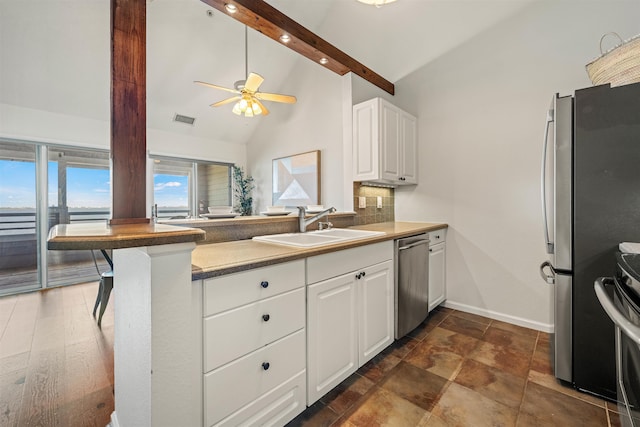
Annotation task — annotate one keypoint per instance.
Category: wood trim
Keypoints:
(269, 21)
(128, 111)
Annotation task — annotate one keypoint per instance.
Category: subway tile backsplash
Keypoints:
(371, 214)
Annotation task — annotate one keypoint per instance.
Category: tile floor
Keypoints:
(459, 369)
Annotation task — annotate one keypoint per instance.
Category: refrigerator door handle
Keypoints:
(631, 330)
(543, 182)
(549, 278)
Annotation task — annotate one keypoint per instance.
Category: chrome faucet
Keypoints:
(303, 222)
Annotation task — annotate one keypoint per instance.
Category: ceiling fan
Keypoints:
(247, 99)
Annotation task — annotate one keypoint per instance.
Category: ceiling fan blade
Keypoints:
(264, 109)
(253, 82)
(276, 97)
(217, 87)
(227, 101)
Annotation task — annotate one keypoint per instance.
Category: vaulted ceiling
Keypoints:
(54, 54)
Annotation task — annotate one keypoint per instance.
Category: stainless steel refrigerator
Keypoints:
(591, 203)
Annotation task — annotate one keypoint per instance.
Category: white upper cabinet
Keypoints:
(384, 144)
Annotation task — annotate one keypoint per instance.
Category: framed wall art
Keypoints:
(296, 180)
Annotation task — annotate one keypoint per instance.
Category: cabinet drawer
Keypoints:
(226, 292)
(239, 331)
(275, 408)
(240, 382)
(437, 236)
(334, 264)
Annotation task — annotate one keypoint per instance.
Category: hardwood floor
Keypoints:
(56, 365)
(59, 274)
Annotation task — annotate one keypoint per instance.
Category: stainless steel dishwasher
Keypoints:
(412, 283)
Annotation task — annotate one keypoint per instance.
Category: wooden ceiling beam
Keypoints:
(269, 21)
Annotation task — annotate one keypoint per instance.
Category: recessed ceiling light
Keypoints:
(323, 61)
(231, 8)
(285, 38)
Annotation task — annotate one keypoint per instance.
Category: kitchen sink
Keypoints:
(314, 239)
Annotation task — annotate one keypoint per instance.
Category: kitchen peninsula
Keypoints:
(161, 292)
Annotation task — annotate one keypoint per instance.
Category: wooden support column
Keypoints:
(128, 111)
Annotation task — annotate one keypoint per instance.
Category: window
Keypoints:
(177, 194)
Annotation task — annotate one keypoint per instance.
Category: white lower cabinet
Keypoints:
(231, 391)
(254, 346)
(349, 313)
(268, 352)
(375, 310)
(332, 334)
(437, 268)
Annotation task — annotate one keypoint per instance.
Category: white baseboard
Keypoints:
(114, 420)
(543, 327)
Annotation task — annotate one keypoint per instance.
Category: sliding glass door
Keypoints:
(41, 186)
(18, 237)
(79, 191)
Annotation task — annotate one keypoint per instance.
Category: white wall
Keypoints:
(313, 123)
(26, 124)
(481, 111)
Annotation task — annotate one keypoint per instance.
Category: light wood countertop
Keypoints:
(218, 259)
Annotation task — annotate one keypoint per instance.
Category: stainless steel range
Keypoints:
(620, 298)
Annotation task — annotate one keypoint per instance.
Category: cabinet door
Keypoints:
(437, 280)
(408, 150)
(390, 132)
(375, 307)
(365, 141)
(332, 328)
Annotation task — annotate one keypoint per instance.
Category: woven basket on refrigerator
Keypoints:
(619, 65)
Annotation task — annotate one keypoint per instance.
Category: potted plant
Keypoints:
(243, 185)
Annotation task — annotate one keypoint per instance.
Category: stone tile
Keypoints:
(430, 323)
(316, 415)
(401, 347)
(464, 326)
(451, 341)
(544, 337)
(383, 408)
(551, 382)
(514, 328)
(611, 406)
(378, 367)
(460, 406)
(473, 317)
(348, 392)
(506, 359)
(442, 352)
(541, 360)
(416, 385)
(435, 421)
(440, 362)
(614, 419)
(542, 406)
(512, 340)
(492, 383)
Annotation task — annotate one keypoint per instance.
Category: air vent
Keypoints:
(184, 119)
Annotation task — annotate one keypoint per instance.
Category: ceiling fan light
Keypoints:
(248, 112)
(236, 109)
(256, 108)
(243, 104)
